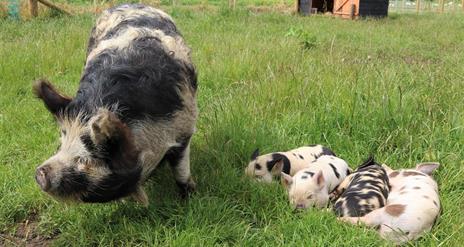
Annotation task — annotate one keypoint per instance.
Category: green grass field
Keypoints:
(393, 88)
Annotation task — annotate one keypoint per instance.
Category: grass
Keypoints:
(391, 87)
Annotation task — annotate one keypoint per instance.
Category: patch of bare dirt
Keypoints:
(26, 234)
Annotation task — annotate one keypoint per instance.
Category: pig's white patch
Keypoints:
(173, 45)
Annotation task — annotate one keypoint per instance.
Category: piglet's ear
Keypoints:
(255, 154)
(278, 166)
(320, 180)
(286, 180)
(53, 100)
(427, 167)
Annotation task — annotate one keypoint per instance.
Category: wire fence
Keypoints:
(426, 6)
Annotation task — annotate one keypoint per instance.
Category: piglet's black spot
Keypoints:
(334, 170)
(304, 177)
(325, 151)
(394, 174)
(277, 157)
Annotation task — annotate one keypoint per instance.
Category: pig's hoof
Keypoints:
(186, 189)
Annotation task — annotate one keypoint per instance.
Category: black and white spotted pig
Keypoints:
(135, 107)
(412, 207)
(362, 191)
(265, 167)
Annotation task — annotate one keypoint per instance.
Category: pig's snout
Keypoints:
(299, 207)
(42, 176)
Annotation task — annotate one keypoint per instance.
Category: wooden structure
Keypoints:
(360, 8)
(34, 7)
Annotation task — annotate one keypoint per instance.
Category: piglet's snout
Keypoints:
(42, 176)
(300, 206)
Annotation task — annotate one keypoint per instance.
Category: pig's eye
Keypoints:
(310, 197)
(79, 160)
(258, 166)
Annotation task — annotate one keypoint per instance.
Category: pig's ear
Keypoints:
(113, 136)
(255, 154)
(140, 196)
(427, 167)
(387, 169)
(320, 180)
(106, 125)
(278, 165)
(286, 180)
(53, 100)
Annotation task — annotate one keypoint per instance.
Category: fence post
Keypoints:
(417, 6)
(442, 6)
(34, 7)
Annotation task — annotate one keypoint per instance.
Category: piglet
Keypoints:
(264, 167)
(412, 206)
(311, 186)
(363, 190)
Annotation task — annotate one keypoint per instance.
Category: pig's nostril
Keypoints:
(41, 176)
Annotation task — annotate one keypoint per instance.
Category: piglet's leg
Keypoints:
(179, 159)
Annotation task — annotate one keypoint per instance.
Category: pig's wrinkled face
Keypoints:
(96, 160)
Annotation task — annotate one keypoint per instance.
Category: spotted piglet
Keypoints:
(264, 167)
(412, 206)
(362, 191)
(311, 186)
